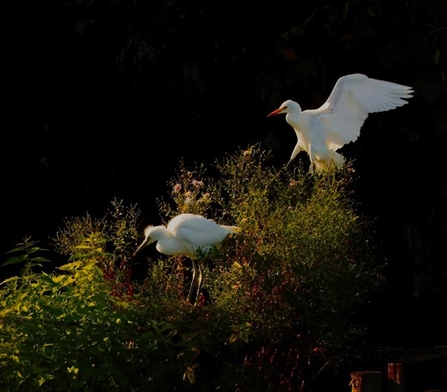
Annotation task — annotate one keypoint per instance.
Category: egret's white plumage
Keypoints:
(321, 132)
(187, 234)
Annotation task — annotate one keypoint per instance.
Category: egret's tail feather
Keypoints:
(234, 229)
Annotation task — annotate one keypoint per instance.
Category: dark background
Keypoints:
(103, 99)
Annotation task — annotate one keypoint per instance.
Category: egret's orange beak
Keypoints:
(275, 112)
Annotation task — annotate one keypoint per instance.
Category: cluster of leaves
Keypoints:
(277, 306)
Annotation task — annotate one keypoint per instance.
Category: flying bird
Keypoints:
(190, 235)
(321, 132)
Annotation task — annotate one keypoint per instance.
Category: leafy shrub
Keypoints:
(277, 305)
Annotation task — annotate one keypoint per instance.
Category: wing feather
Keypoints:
(352, 99)
(196, 230)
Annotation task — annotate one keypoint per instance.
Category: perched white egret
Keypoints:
(321, 132)
(189, 235)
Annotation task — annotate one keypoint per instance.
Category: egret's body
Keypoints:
(321, 132)
(187, 234)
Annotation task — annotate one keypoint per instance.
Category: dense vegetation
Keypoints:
(279, 305)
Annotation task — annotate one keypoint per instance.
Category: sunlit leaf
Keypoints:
(233, 338)
(11, 279)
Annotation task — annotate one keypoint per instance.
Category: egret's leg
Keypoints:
(295, 152)
(199, 282)
(312, 159)
(193, 279)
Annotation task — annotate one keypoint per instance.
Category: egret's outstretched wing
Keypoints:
(197, 230)
(352, 99)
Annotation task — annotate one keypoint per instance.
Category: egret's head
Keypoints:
(147, 238)
(288, 106)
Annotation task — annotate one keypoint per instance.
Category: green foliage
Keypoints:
(25, 253)
(277, 306)
(117, 227)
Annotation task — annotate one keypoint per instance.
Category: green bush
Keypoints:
(278, 302)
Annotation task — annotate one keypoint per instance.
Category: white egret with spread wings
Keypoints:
(321, 132)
